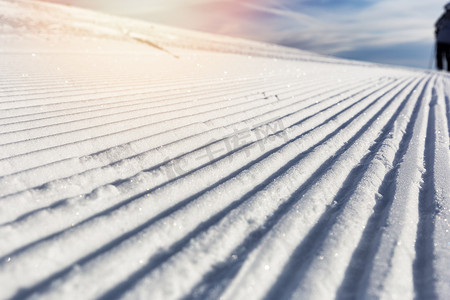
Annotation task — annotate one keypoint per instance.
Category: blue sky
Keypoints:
(385, 31)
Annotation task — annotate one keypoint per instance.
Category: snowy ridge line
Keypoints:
(164, 96)
(168, 103)
(40, 189)
(99, 89)
(167, 84)
(28, 135)
(439, 212)
(309, 289)
(433, 199)
(21, 158)
(164, 92)
(401, 219)
(46, 197)
(251, 211)
(44, 100)
(160, 80)
(102, 113)
(76, 104)
(314, 236)
(244, 247)
(45, 122)
(34, 78)
(138, 122)
(355, 281)
(31, 88)
(25, 84)
(157, 84)
(349, 212)
(137, 155)
(64, 80)
(269, 264)
(427, 208)
(140, 96)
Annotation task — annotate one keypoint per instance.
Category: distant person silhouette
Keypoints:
(443, 39)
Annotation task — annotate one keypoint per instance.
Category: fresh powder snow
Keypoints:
(140, 161)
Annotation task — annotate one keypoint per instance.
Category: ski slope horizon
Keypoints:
(141, 161)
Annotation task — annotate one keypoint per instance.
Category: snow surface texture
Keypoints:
(139, 161)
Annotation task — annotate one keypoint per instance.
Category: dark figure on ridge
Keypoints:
(443, 39)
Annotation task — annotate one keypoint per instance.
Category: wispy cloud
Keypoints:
(327, 27)
(383, 23)
(302, 19)
(379, 25)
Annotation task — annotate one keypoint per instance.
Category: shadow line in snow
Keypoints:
(135, 128)
(247, 244)
(117, 182)
(423, 271)
(299, 263)
(120, 181)
(149, 106)
(216, 281)
(361, 263)
(120, 122)
(160, 258)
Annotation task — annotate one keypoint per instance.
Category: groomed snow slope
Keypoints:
(139, 161)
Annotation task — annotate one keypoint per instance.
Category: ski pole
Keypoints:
(433, 55)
